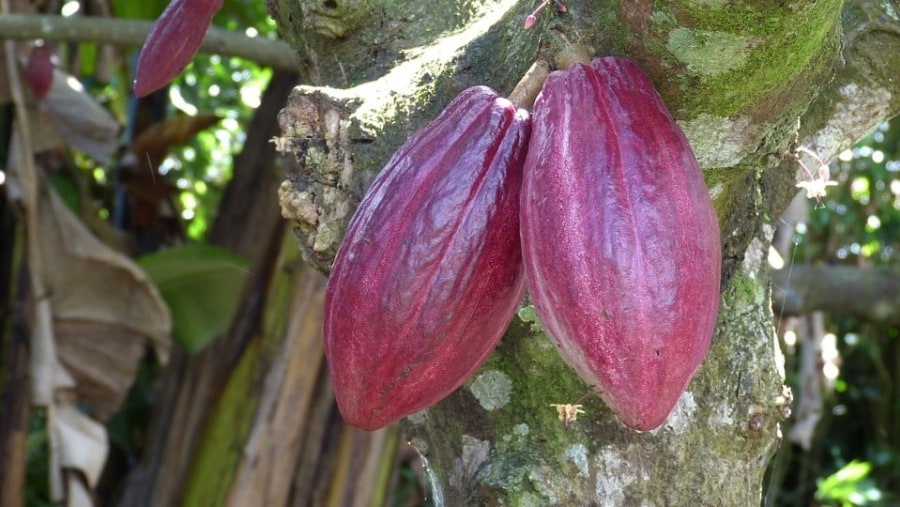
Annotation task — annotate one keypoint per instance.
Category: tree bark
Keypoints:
(746, 83)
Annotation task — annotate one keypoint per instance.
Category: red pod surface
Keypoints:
(620, 238)
(39, 71)
(173, 42)
(430, 271)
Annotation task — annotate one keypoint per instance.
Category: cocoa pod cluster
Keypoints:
(595, 204)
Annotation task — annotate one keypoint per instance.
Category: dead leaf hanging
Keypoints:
(105, 309)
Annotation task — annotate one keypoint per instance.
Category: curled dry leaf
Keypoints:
(82, 123)
(67, 116)
(81, 442)
(158, 140)
(105, 309)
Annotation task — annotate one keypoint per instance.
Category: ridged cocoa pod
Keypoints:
(620, 238)
(430, 271)
(173, 42)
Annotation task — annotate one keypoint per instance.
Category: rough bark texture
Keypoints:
(745, 80)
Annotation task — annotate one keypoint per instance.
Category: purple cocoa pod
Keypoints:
(39, 71)
(430, 271)
(620, 238)
(173, 42)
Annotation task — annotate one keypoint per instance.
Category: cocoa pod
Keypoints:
(429, 273)
(39, 71)
(173, 42)
(620, 238)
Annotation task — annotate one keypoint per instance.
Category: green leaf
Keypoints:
(37, 448)
(202, 285)
(853, 472)
(68, 191)
(850, 485)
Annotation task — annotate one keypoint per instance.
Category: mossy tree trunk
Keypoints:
(746, 80)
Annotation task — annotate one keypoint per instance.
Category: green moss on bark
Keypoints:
(747, 50)
(220, 450)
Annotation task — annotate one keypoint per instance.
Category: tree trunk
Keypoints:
(740, 79)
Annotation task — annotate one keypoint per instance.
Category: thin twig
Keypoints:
(43, 358)
(129, 32)
(25, 168)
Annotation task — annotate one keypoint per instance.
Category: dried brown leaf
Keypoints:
(82, 123)
(105, 309)
(155, 143)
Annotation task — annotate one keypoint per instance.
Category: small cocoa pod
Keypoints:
(620, 238)
(173, 42)
(39, 71)
(430, 270)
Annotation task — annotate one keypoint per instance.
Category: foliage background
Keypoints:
(855, 458)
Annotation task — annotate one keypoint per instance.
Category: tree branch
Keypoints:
(126, 32)
(863, 93)
(868, 293)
